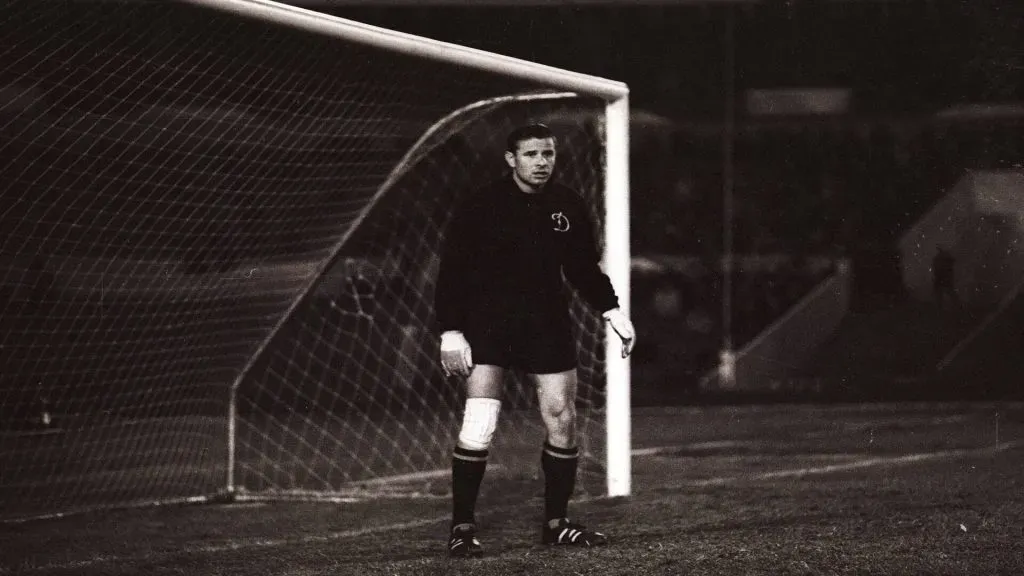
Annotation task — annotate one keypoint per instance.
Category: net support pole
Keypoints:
(232, 438)
(617, 266)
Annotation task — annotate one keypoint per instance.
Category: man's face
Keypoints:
(533, 161)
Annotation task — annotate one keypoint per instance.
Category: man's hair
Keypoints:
(525, 133)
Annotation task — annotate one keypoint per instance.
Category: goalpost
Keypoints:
(220, 231)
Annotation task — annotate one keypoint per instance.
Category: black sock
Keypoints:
(468, 468)
(559, 465)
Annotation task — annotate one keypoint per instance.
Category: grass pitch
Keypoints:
(857, 489)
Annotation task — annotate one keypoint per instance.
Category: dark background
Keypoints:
(144, 135)
(900, 58)
(803, 187)
(807, 189)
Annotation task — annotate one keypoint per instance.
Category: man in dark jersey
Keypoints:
(502, 305)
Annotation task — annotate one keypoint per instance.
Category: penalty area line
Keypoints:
(710, 445)
(858, 464)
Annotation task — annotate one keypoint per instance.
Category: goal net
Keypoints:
(220, 227)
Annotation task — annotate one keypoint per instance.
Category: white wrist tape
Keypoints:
(479, 423)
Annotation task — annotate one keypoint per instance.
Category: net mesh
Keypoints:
(195, 204)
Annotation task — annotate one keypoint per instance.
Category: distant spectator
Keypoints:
(943, 284)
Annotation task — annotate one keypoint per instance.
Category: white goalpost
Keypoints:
(220, 240)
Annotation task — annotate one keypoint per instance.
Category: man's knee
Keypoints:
(560, 419)
(479, 423)
(557, 399)
(559, 408)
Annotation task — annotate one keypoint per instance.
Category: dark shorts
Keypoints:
(534, 344)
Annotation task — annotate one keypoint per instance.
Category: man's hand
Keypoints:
(456, 355)
(623, 327)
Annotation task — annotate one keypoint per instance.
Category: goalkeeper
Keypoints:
(501, 304)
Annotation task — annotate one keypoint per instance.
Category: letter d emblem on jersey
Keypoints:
(561, 222)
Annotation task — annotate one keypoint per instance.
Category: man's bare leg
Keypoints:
(560, 459)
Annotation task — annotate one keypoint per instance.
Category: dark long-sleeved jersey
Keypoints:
(505, 253)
